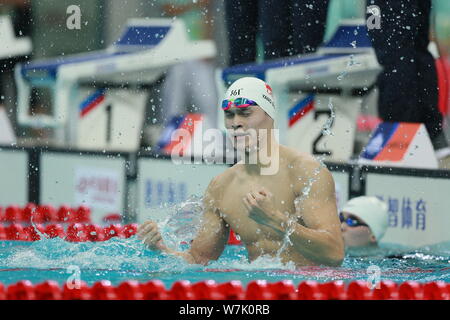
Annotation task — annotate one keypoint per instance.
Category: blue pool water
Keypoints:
(118, 260)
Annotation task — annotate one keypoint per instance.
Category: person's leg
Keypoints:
(276, 29)
(408, 83)
(394, 45)
(428, 84)
(308, 20)
(241, 17)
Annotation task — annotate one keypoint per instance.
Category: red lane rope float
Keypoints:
(258, 290)
(78, 291)
(48, 290)
(283, 290)
(45, 214)
(388, 291)
(54, 230)
(130, 290)
(207, 290)
(95, 233)
(310, 290)
(52, 218)
(335, 290)
(75, 232)
(154, 290)
(181, 290)
(12, 214)
(233, 290)
(2, 292)
(438, 290)
(2, 233)
(410, 290)
(103, 290)
(359, 290)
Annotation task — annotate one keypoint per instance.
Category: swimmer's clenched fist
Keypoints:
(149, 233)
(260, 206)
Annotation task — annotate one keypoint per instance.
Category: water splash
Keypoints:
(183, 222)
(342, 75)
(326, 130)
(292, 220)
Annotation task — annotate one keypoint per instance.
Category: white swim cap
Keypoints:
(372, 210)
(254, 89)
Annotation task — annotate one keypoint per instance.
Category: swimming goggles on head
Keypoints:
(351, 222)
(238, 103)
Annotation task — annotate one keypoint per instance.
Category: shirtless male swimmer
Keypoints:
(298, 199)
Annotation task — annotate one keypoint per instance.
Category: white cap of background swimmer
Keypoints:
(372, 211)
(254, 89)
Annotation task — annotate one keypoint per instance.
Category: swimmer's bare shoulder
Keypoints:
(306, 167)
(218, 184)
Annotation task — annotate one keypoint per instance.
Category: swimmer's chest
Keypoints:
(235, 213)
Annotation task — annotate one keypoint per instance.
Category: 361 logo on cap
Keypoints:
(269, 89)
(236, 92)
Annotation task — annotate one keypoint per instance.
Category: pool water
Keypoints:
(118, 260)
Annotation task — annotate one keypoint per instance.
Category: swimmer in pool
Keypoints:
(364, 221)
(287, 195)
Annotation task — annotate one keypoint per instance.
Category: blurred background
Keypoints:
(102, 21)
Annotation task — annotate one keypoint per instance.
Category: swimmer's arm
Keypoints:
(211, 239)
(209, 242)
(213, 234)
(321, 239)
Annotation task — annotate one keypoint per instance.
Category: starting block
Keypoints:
(11, 46)
(400, 144)
(318, 95)
(98, 98)
(7, 135)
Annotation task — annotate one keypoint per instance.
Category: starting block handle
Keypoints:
(23, 106)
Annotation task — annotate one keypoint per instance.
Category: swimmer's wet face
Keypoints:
(356, 232)
(249, 108)
(244, 126)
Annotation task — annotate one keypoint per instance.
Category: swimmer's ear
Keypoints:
(373, 240)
